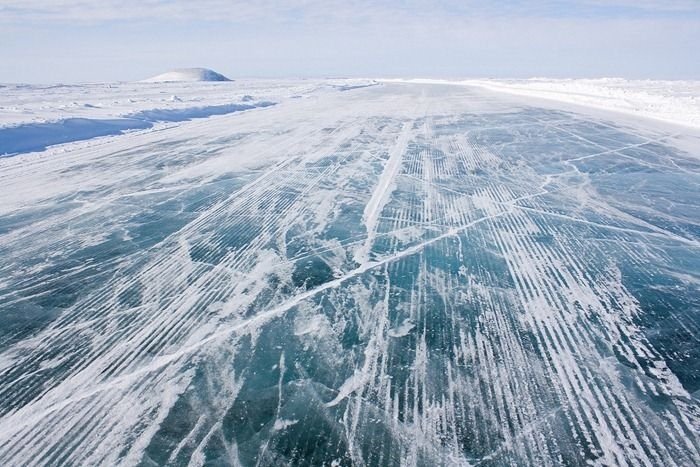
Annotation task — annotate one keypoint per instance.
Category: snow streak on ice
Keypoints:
(393, 275)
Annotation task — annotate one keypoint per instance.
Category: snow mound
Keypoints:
(187, 75)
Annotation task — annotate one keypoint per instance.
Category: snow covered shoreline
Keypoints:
(35, 117)
(31, 103)
(676, 102)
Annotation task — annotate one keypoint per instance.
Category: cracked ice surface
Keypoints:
(393, 275)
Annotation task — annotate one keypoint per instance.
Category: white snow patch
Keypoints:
(352, 384)
(403, 329)
(316, 325)
(281, 424)
(408, 234)
(382, 192)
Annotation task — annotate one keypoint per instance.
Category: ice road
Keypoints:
(399, 274)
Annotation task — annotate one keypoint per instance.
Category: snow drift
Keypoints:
(673, 102)
(31, 137)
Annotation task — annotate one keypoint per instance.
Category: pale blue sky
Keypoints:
(114, 40)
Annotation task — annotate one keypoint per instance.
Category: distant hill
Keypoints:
(187, 75)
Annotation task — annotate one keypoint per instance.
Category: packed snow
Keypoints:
(360, 274)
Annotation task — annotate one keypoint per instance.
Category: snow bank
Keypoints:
(38, 136)
(181, 115)
(31, 137)
(23, 103)
(187, 75)
(34, 117)
(675, 102)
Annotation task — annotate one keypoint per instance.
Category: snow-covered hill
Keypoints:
(187, 75)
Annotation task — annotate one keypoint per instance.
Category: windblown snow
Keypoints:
(33, 118)
(394, 274)
(676, 102)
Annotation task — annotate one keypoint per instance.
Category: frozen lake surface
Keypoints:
(399, 274)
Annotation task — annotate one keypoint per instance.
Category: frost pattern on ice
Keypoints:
(393, 275)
